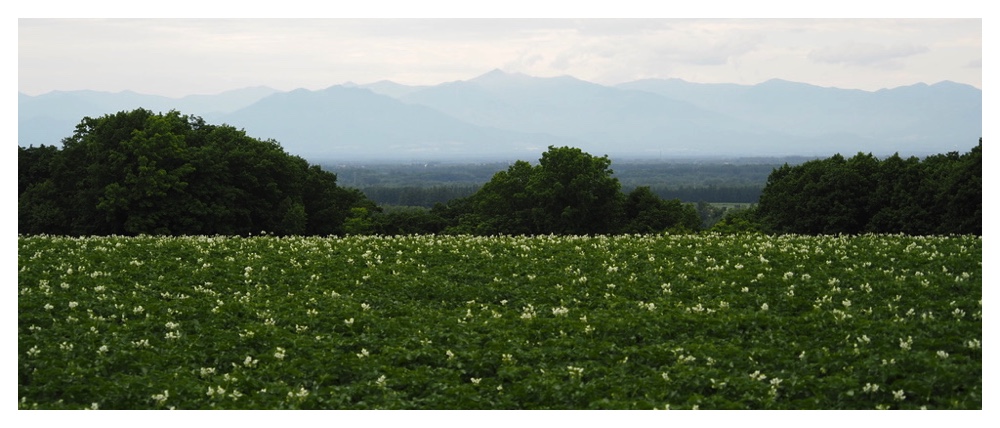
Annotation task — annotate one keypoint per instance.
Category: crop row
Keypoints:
(443, 322)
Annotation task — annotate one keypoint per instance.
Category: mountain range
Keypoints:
(501, 115)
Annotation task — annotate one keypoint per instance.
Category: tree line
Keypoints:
(417, 196)
(430, 195)
(940, 194)
(138, 172)
(567, 192)
(734, 193)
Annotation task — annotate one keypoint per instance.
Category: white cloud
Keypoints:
(183, 56)
(865, 54)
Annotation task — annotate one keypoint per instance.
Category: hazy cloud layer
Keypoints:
(865, 54)
(177, 57)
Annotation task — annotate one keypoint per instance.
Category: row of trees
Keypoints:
(430, 195)
(567, 192)
(744, 193)
(417, 195)
(143, 173)
(941, 194)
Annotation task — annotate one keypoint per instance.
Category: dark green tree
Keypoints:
(568, 192)
(900, 198)
(143, 173)
(744, 220)
(38, 206)
(942, 194)
(34, 165)
(147, 193)
(645, 212)
(782, 207)
(408, 221)
(360, 222)
(505, 204)
(94, 168)
(827, 196)
(325, 202)
(963, 195)
(574, 193)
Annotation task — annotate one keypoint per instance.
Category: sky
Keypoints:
(193, 55)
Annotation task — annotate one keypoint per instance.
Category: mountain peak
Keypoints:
(782, 83)
(499, 80)
(499, 76)
(495, 73)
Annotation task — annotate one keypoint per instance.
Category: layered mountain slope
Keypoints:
(515, 116)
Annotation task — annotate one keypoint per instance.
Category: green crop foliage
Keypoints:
(504, 322)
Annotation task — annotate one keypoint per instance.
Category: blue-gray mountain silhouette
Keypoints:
(502, 115)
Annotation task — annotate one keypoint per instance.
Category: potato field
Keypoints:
(505, 322)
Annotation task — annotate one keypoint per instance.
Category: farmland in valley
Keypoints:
(459, 322)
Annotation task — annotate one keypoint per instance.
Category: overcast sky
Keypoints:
(177, 57)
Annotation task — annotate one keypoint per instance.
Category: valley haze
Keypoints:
(507, 116)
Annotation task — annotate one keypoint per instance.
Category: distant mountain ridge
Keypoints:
(501, 115)
(904, 114)
(48, 118)
(601, 117)
(359, 124)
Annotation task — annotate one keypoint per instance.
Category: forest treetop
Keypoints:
(137, 172)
